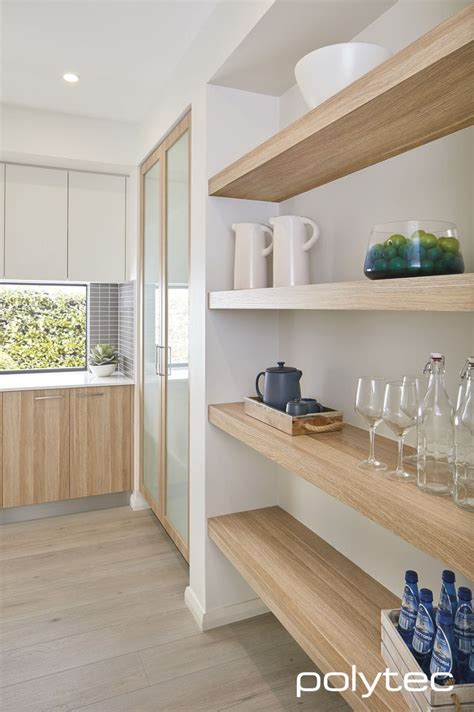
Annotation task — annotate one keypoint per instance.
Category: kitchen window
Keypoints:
(43, 327)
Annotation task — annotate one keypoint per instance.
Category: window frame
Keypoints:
(52, 283)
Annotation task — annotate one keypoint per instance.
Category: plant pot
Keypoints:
(102, 371)
(327, 70)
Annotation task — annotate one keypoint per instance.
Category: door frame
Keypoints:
(160, 154)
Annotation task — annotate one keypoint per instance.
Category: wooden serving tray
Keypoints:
(399, 659)
(325, 422)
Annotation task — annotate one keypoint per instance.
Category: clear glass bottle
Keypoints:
(435, 433)
(464, 439)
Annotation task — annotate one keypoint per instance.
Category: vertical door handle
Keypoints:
(169, 360)
(159, 360)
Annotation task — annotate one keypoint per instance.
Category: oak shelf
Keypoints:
(329, 460)
(454, 292)
(328, 604)
(420, 94)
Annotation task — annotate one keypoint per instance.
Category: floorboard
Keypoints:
(93, 619)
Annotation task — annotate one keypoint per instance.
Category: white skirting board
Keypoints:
(138, 502)
(224, 615)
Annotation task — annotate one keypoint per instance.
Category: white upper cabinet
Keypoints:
(96, 227)
(35, 223)
(2, 218)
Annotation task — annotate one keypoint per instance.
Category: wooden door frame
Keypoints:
(160, 154)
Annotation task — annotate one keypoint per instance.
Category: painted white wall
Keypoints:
(226, 350)
(226, 27)
(67, 141)
(333, 349)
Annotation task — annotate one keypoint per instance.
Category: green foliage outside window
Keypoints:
(42, 327)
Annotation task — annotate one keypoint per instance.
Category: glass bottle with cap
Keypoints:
(448, 600)
(443, 659)
(425, 630)
(435, 433)
(409, 607)
(464, 439)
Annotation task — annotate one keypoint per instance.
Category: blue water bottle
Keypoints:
(425, 630)
(409, 609)
(464, 632)
(448, 600)
(470, 669)
(443, 659)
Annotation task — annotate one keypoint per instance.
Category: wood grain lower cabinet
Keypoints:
(35, 447)
(101, 440)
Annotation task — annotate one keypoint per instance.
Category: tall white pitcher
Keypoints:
(290, 249)
(250, 265)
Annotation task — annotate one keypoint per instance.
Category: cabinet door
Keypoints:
(101, 440)
(2, 219)
(35, 223)
(35, 447)
(96, 227)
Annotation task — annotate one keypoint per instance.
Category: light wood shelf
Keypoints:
(327, 603)
(418, 95)
(454, 292)
(432, 524)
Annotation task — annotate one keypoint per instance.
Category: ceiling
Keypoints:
(123, 51)
(264, 62)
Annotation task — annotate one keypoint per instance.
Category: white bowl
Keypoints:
(101, 371)
(327, 70)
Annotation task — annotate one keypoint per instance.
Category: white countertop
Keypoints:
(64, 379)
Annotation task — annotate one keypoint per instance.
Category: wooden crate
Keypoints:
(399, 659)
(325, 422)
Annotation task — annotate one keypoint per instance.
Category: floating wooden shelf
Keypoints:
(433, 524)
(327, 603)
(418, 95)
(454, 292)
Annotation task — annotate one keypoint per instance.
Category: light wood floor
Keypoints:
(93, 618)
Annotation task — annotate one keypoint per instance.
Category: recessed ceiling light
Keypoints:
(70, 77)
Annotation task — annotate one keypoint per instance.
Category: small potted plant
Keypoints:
(103, 360)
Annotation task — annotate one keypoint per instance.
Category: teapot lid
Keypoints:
(281, 368)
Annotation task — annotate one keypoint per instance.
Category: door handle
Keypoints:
(169, 360)
(89, 395)
(48, 397)
(159, 360)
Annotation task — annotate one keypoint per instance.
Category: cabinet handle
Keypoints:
(89, 395)
(48, 397)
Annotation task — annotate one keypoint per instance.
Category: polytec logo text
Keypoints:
(357, 681)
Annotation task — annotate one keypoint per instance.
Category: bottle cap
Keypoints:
(464, 593)
(449, 576)
(445, 618)
(411, 576)
(426, 595)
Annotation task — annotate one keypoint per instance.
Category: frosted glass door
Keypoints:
(177, 400)
(152, 332)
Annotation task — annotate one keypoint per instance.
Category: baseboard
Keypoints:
(138, 502)
(223, 615)
(11, 515)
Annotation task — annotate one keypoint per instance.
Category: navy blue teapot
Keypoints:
(282, 384)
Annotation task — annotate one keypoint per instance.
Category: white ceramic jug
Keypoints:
(250, 266)
(290, 249)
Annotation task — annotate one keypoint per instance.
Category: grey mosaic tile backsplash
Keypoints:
(126, 328)
(111, 320)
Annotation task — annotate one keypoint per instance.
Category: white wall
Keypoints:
(333, 349)
(67, 141)
(226, 350)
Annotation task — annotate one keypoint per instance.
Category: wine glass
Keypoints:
(400, 412)
(369, 405)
